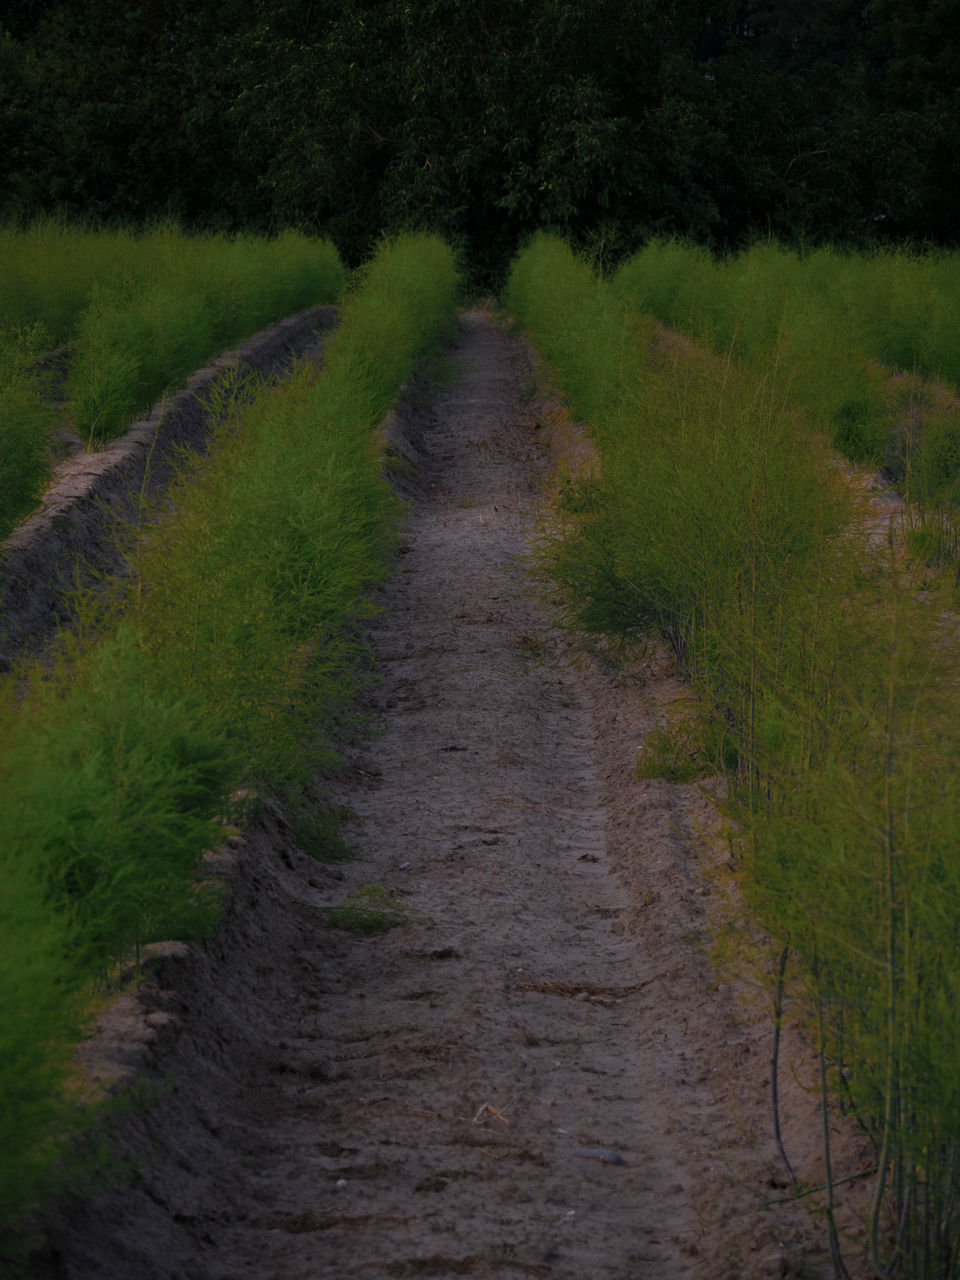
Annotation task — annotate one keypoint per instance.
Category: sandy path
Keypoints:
(487, 815)
(540, 1074)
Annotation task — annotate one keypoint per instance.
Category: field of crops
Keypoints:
(217, 672)
(722, 518)
(865, 346)
(139, 313)
(822, 665)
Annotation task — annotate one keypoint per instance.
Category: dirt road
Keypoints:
(540, 1073)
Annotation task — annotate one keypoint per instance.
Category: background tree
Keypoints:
(608, 122)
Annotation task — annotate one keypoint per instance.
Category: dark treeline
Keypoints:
(605, 120)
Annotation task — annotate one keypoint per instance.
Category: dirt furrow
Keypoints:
(539, 1073)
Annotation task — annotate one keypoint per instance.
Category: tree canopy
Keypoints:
(605, 120)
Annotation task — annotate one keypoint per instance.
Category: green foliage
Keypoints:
(856, 431)
(25, 422)
(825, 320)
(145, 311)
(546, 285)
(110, 788)
(109, 792)
(40, 1019)
(719, 524)
(231, 666)
(684, 749)
(669, 543)
(287, 528)
(52, 266)
(316, 829)
(141, 335)
(369, 910)
(939, 462)
(607, 123)
(853, 863)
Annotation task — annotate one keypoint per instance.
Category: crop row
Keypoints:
(224, 665)
(141, 314)
(821, 673)
(867, 346)
(52, 270)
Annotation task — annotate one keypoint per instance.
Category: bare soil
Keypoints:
(542, 1071)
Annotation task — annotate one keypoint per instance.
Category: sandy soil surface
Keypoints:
(541, 1072)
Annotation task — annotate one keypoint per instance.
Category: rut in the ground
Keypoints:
(539, 1074)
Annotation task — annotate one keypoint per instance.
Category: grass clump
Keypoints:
(228, 668)
(689, 746)
(369, 910)
(822, 687)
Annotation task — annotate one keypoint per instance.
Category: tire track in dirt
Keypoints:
(540, 1074)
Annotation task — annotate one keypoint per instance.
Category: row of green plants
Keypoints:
(27, 418)
(223, 668)
(822, 681)
(861, 342)
(140, 313)
(52, 270)
(51, 267)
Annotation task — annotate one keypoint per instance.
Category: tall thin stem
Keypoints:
(838, 1262)
(890, 958)
(775, 1058)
